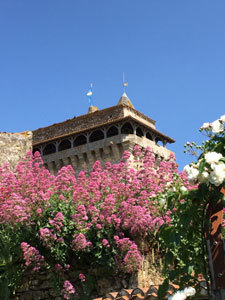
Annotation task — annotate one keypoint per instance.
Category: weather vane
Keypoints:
(125, 84)
(89, 94)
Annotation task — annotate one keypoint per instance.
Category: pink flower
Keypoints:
(80, 243)
(31, 256)
(82, 277)
(67, 290)
(105, 243)
(39, 210)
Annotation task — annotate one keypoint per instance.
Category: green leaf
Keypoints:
(202, 166)
(190, 270)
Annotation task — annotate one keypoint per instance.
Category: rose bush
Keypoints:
(183, 238)
(59, 223)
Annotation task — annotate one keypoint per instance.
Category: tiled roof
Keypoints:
(151, 293)
(160, 134)
(138, 294)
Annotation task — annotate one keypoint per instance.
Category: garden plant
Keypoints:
(184, 238)
(59, 223)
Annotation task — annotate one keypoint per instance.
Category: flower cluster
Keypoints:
(31, 256)
(182, 295)
(68, 290)
(92, 217)
(80, 243)
(216, 127)
(130, 259)
(210, 168)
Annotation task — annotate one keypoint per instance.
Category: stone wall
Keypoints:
(39, 285)
(110, 149)
(13, 147)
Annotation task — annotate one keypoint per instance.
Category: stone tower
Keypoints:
(99, 135)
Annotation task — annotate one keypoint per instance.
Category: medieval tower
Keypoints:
(99, 135)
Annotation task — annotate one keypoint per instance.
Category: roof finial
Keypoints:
(125, 84)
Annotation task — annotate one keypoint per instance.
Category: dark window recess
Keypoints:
(65, 144)
(36, 149)
(112, 131)
(158, 141)
(49, 149)
(149, 136)
(80, 140)
(139, 132)
(96, 136)
(127, 129)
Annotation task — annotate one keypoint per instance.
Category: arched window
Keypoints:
(139, 132)
(49, 149)
(96, 136)
(158, 141)
(127, 129)
(80, 140)
(65, 144)
(35, 150)
(112, 131)
(149, 136)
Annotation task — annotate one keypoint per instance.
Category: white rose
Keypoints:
(222, 118)
(217, 176)
(192, 172)
(189, 291)
(206, 126)
(180, 295)
(217, 126)
(187, 169)
(203, 178)
(213, 157)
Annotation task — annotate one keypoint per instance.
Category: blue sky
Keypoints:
(172, 51)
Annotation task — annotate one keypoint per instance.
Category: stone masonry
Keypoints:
(13, 147)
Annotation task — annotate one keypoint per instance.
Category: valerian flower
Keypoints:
(67, 290)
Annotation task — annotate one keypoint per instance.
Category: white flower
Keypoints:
(213, 157)
(217, 176)
(203, 177)
(217, 126)
(189, 291)
(180, 295)
(222, 118)
(206, 126)
(183, 189)
(192, 173)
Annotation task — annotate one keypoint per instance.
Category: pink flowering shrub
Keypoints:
(31, 256)
(95, 217)
(67, 290)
